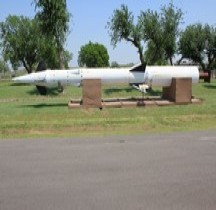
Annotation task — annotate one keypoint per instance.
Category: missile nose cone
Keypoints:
(33, 78)
(23, 79)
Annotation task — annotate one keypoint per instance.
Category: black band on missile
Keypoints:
(140, 68)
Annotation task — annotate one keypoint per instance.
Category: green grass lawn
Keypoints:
(24, 113)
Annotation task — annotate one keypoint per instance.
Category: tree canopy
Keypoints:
(53, 19)
(20, 40)
(122, 27)
(158, 30)
(93, 55)
(198, 43)
(24, 44)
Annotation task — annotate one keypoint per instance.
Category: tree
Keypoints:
(155, 55)
(159, 30)
(122, 27)
(24, 44)
(114, 64)
(198, 43)
(3, 66)
(171, 19)
(49, 54)
(20, 38)
(53, 18)
(93, 55)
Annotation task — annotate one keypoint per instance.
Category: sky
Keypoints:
(89, 20)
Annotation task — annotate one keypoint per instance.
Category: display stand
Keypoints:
(91, 93)
(179, 92)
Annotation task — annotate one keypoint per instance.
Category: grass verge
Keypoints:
(24, 113)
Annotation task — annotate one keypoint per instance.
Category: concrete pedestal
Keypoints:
(180, 91)
(91, 92)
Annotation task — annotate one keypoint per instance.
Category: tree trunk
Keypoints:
(171, 62)
(140, 51)
(138, 45)
(29, 70)
(180, 60)
(61, 58)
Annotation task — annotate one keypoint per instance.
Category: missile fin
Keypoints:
(41, 67)
(139, 68)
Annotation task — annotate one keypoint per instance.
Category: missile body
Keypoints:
(149, 75)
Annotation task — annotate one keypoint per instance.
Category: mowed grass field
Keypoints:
(24, 113)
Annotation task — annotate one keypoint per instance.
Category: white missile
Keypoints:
(137, 75)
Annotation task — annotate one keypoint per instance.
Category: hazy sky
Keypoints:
(89, 19)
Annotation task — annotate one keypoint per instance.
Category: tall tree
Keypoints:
(171, 19)
(93, 55)
(159, 30)
(152, 34)
(20, 41)
(23, 44)
(54, 17)
(198, 43)
(122, 27)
